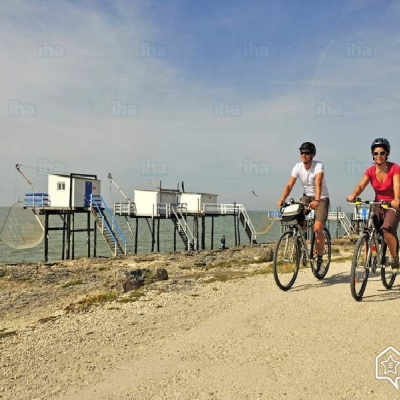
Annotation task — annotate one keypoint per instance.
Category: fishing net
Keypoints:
(266, 228)
(22, 228)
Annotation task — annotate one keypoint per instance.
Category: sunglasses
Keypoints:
(305, 153)
(379, 153)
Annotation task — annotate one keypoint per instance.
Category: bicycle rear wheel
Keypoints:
(360, 267)
(286, 260)
(387, 275)
(321, 272)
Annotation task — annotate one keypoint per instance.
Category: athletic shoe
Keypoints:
(394, 263)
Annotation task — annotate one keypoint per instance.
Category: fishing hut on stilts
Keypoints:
(72, 194)
(187, 212)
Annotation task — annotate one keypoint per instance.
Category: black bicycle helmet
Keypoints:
(381, 142)
(308, 146)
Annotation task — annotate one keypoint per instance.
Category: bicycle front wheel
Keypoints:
(360, 267)
(320, 271)
(286, 260)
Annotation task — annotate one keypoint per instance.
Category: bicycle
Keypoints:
(370, 252)
(292, 246)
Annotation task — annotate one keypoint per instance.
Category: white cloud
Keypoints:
(108, 93)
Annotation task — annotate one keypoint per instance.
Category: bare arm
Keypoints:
(286, 190)
(358, 189)
(318, 188)
(396, 189)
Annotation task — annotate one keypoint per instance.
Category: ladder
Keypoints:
(342, 218)
(100, 211)
(247, 224)
(183, 229)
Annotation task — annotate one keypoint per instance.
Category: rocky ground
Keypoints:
(217, 328)
(33, 292)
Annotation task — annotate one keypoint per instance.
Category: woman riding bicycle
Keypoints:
(384, 177)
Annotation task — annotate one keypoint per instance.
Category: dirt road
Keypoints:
(239, 339)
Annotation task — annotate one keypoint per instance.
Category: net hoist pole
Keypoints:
(115, 184)
(18, 167)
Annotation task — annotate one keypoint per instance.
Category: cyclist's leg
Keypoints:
(319, 237)
(389, 229)
(320, 218)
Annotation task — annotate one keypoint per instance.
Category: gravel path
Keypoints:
(240, 339)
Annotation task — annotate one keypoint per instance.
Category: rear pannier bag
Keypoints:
(293, 214)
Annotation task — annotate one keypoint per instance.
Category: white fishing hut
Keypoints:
(154, 202)
(72, 190)
(193, 202)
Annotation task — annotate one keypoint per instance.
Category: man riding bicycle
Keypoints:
(311, 175)
(384, 177)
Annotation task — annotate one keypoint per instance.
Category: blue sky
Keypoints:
(218, 94)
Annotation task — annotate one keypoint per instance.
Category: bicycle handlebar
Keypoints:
(384, 204)
(291, 202)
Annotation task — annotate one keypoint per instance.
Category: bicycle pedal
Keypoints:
(318, 266)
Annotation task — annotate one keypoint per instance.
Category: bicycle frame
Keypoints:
(300, 233)
(292, 248)
(370, 253)
(375, 238)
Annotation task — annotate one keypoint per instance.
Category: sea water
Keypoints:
(268, 231)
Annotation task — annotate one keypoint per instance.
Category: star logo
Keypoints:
(386, 366)
(390, 365)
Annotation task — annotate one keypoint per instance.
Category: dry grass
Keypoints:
(90, 301)
(72, 283)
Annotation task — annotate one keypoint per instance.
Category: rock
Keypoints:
(161, 274)
(266, 254)
(134, 279)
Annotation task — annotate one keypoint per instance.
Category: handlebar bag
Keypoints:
(293, 214)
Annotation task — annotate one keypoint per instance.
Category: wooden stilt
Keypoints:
(234, 223)
(203, 233)
(73, 236)
(158, 235)
(63, 236)
(212, 233)
(68, 256)
(46, 237)
(196, 230)
(136, 234)
(175, 232)
(238, 230)
(95, 239)
(152, 235)
(88, 234)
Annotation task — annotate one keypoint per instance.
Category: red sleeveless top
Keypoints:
(383, 191)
